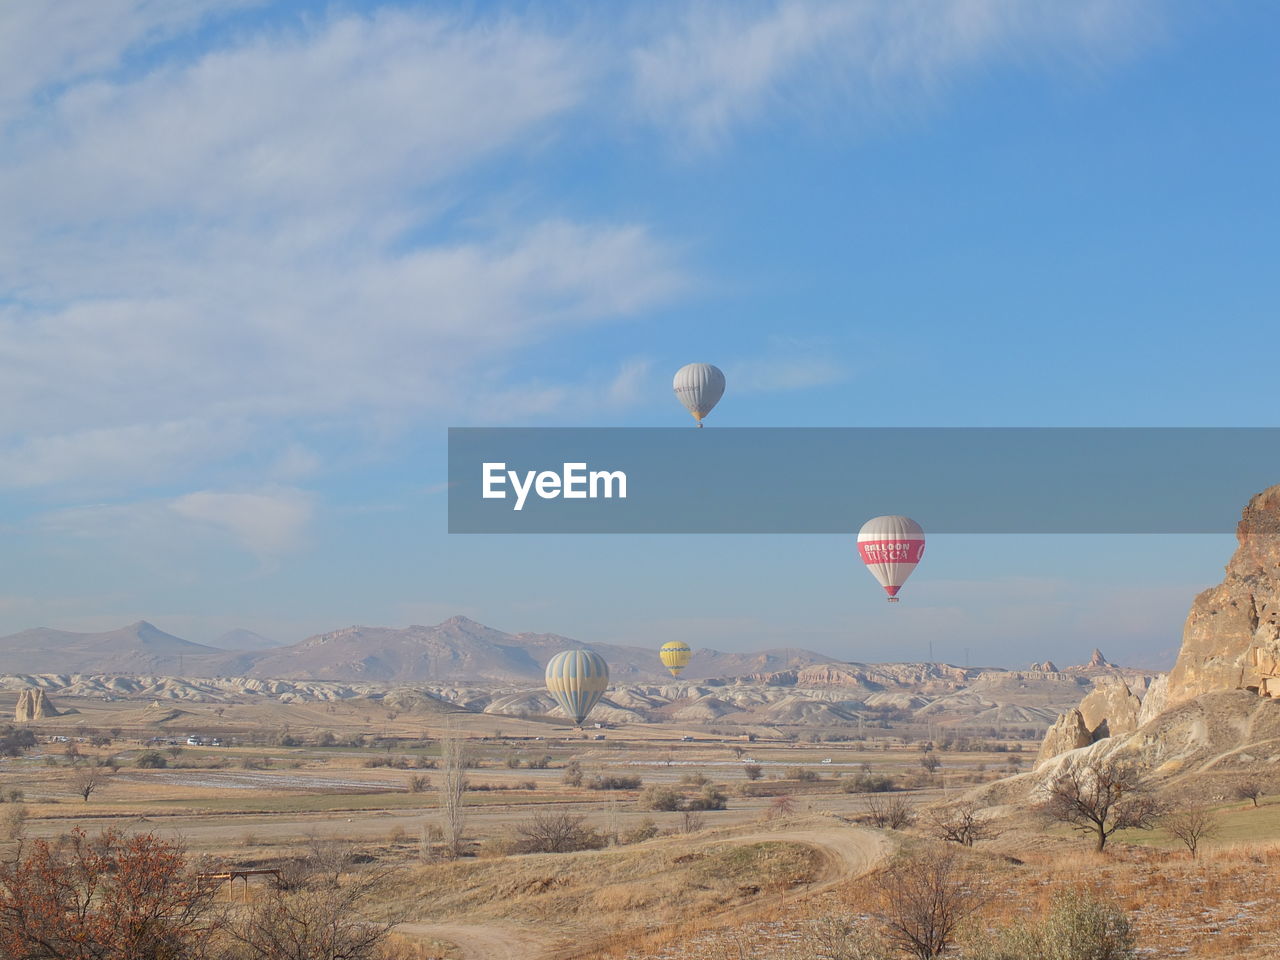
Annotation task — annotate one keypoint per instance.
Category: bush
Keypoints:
(657, 797)
(419, 783)
(646, 829)
(1079, 925)
(152, 760)
(15, 741)
(572, 775)
(694, 780)
(599, 782)
(711, 798)
(868, 783)
(893, 813)
(801, 774)
(753, 771)
(555, 833)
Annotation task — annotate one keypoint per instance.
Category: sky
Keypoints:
(256, 258)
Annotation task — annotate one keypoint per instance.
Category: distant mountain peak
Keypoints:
(1098, 660)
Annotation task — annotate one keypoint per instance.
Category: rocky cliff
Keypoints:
(1231, 642)
(1229, 621)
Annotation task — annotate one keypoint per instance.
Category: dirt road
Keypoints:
(488, 942)
(847, 852)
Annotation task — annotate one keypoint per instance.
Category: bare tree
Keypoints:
(419, 783)
(309, 923)
(326, 858)
(1099, 796)
(924, 899)
(782, 805)
(1190, 826)
(556, 833)
(691, 821)
(962, 823)
(89, 774)
(1249, 790)
(890, 810)
(453, 787)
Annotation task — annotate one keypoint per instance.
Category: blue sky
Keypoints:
(256, 258)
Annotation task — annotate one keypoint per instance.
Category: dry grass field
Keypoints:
(755, 879)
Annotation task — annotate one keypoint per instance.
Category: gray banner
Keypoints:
(820, 480)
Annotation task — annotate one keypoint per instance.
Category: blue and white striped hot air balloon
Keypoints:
(577, 680)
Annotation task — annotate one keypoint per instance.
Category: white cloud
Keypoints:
(267, 524)
(104, 457)
(203, 253)
(234, 242)
(44, 45)
(724, 66)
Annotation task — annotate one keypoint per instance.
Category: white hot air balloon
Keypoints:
(891, 547)
(699, 386)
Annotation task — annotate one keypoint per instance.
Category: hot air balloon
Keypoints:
(891, 547)
(577, 680)
(675, 656)
(699, 386)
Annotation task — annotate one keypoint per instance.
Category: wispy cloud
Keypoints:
(193, 253)
(725, 66)
(266, 523)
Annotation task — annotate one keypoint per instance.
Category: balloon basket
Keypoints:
(892, 599)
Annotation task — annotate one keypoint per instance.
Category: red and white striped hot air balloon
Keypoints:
(891, 547)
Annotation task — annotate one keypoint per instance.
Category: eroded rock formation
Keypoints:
(1231, 642)
(33, 705)
(1069, 733)
(1111, 709)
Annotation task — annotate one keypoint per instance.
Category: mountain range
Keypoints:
(454, 650)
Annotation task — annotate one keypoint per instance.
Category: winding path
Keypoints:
(847, 852)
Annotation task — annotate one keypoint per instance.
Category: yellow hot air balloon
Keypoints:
(675, 656)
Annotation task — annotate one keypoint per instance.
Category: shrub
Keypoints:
(694, 780)
(753, 771)
(657, 797)
(711, 798)
(15, 741)
(962, 824)
(646, 829)
(152, 760)
(599, 782)
(1079, 925)
(925, 899)
(555, 833)
(110, 897)
(895, 812)
(14, 821)
(801, 774)
(868, 783)
(572, 775)
(419, 783)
